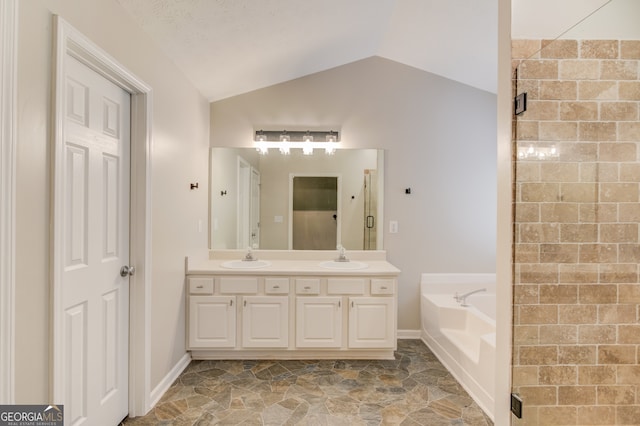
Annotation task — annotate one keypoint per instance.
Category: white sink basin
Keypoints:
(352, 264)
(246, 264)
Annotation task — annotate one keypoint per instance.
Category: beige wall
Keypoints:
(439, 138)
(179, 132)
(577, 283)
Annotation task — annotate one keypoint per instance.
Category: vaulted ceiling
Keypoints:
(229, 47)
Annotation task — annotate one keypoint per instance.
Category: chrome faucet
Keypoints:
(342, 256)
(249, 257)
(462, 298)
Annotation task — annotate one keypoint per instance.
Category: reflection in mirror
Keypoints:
(255, 203)
(314, 224)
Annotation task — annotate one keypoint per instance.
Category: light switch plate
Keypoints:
(393, 227)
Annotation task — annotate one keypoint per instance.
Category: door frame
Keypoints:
(8, 146)
(338, 177)
(243, 203)
(67, 40)
(254, 208)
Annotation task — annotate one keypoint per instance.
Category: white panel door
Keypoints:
(94, 295)
(371, 322)
(318, 322)
(265, 322)
(212, 322)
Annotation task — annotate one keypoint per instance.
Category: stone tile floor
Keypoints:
(413, 389)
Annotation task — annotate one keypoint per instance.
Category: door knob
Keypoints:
(127, 270)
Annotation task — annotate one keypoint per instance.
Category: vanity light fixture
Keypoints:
(284, 136)
(330, 149)
(307, 149)
(307, 140)
(332, 138)
(260, 136)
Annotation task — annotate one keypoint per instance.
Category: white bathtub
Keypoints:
(462, 337)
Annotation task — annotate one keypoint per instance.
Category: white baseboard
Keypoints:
(408, 334)
(168, 380)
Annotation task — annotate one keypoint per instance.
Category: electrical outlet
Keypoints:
(516, 405)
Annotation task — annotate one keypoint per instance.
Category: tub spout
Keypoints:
(462, 298)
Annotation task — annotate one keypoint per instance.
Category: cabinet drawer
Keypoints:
(346, 285)
(238, 285)
(276, 285)
(201, 285)
(382, 286)
(307, 285)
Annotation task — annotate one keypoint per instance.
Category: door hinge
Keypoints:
(520, 103)
(516, 405)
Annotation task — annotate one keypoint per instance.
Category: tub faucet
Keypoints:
(342, 256)
(462, 298)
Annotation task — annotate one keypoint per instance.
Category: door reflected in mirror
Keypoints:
(254, 201)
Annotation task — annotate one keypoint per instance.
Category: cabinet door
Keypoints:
(212, 322)
(318, 322)
(371, 322)
(265, 322)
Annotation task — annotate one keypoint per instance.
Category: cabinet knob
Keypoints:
(276, 286)
(199, 286)
(383, 288)
(307, 288)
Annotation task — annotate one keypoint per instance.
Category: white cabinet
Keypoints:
(371, 322)
(265, 322)
(331, 316)
(318, 322)
(212, 322)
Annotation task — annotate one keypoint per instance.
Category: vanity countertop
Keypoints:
(298, 264)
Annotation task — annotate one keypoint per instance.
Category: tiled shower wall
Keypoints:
(576, 330)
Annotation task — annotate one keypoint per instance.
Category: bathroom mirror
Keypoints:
(296, 201)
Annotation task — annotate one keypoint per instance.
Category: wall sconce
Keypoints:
(307, 140)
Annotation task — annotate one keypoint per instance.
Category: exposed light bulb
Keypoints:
(330, 148)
